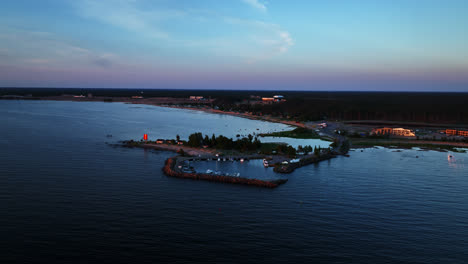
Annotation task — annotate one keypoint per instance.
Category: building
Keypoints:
(401, 132)
(196, 97)
(463, 133)
(451, 132)
(398, 132)
(268, 99)
(382, 131)
(159, 141)
(275, 98)
(278, 98)
(454, 132)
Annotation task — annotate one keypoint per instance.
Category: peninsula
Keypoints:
(283, 158)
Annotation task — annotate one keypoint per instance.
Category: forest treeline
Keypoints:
(407, 107)
(435, 107)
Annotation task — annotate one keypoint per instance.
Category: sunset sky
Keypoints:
(398, 45)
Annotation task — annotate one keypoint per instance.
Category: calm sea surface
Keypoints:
(67, 197)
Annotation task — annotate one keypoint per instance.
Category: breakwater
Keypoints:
(288, 168)
(170, 170)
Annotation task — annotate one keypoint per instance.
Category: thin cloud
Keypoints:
(256, 4)
(286, 42)
(253, 41)
(104, 61)
(45, 49)
(126, 15)
(270, 38)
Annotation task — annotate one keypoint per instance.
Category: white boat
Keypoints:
(208, 171)
(265, 163)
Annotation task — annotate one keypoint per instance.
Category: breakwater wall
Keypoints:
(288, 168)
(170, 170)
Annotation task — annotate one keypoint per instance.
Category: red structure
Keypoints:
(145, 137)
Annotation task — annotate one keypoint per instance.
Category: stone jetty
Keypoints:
(170, 170)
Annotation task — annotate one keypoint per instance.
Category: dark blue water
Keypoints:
(248, 169)
(67, 197)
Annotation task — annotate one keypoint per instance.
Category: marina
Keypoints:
(171, 168)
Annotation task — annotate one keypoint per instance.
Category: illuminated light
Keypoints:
(145, 137)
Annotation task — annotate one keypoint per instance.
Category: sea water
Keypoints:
(68, 197)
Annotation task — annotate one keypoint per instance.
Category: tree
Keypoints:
(300, 148)
(307, 149)
(316, 151)
(181, 152)
(344, 146)
(257, 143)
(213, 140)
(335, 143)
(195, 139)
(178, 138)
(290, 151)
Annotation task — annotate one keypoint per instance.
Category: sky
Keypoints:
(364, 45)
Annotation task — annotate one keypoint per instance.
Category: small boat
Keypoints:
(219, 159)
(208, 171)
(265, 163)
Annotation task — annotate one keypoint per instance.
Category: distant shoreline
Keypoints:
(164, 101)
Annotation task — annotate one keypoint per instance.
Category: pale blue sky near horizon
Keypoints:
(400, 45)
